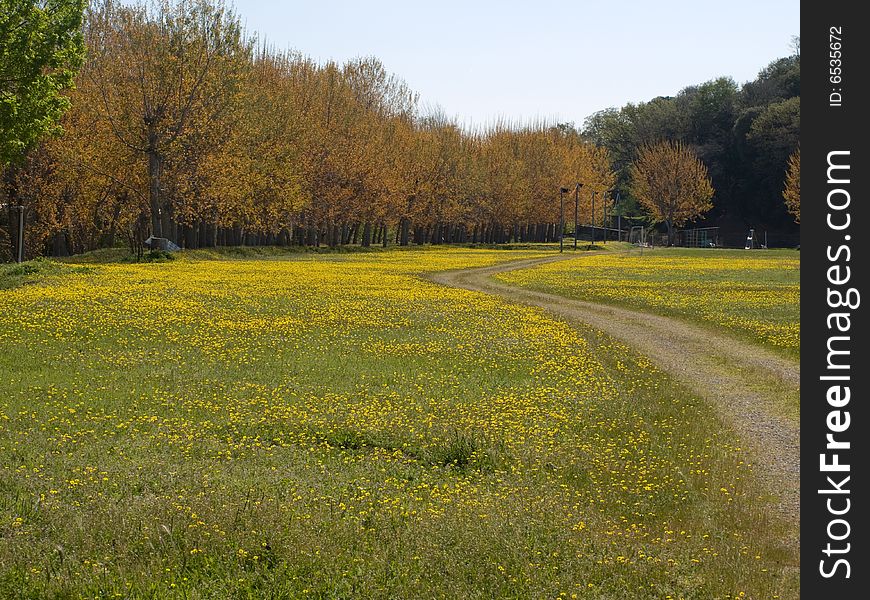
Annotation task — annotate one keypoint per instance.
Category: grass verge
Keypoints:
(754, 295)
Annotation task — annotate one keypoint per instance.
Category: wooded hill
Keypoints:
(743, 134)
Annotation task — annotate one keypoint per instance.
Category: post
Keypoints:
(576, 211)
(20, 233)
(618, 219)
(593, 217)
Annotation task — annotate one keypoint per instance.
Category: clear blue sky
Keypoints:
(536, 59)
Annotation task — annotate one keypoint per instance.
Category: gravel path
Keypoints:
(723, 370)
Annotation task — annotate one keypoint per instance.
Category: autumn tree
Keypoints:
(792, 191)
(671, 183)
(590, 165)
(99, 185)
(159, 67)
(184, 126)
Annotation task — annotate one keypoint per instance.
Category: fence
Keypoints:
(714, 237)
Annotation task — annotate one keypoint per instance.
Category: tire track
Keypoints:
(719, 368)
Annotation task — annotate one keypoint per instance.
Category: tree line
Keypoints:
(182, 125)
(177, 123)
(744, 134)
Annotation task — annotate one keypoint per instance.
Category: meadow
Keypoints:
(336, 426)
(752, 294)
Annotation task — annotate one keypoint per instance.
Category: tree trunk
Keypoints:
(154, 163)
(367, 235)
(404, 231)
(59, 247)
(116, 214)
(190, 237)
(11, 188)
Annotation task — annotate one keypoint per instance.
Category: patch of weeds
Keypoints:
(468, 452)
(158, 256)
(35, 270)
(349, 440)
(22, 269)
(356, 441)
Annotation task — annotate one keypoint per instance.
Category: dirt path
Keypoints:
(734, 376)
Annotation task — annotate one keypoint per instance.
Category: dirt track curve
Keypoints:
(719, 368)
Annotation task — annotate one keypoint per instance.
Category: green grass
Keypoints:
(754, 295)
(333, 426)
(34, 271)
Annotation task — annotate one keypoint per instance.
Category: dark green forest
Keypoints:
(743, 133)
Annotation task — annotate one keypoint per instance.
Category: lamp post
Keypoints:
(20, 249)
(593, 216)
(576, 210)
(618, 209)
(562, 192)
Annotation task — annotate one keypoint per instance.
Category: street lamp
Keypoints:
(576, 210)
(20, 245)
(593, 216)
(562, 192)
(618, 209)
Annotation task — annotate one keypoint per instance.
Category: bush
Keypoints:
(158, 256)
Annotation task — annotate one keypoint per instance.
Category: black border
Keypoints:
(827, 128)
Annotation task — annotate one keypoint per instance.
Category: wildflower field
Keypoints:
(336, 426)
(754, 294)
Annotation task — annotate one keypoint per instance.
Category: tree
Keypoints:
(41, 49)
(743, 134)
(159, 68)
(771, 138)
(792, 191)
(671, 183)
(181, 116)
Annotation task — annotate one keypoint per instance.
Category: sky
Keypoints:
(557, 61)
